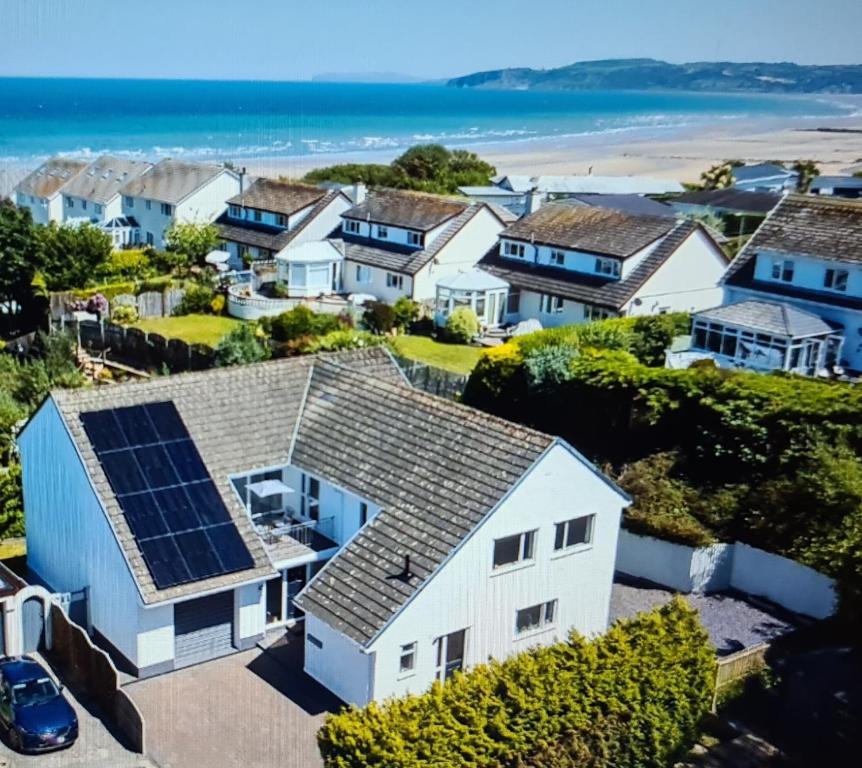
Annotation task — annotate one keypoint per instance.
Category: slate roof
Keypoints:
(408, 210)
(828, 228)
(588, 289)
(102, 179)
(271, 238)
(730, 199)
(761, 171)
(50, 177)
(240, 418)
(278, 196)
(590, 184)
(777, 319)
(171, 181)
(595, 230)
(402, 258)
(636, 204)
(830, 182)
(435, 467)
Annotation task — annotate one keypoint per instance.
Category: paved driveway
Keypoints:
(255, 708)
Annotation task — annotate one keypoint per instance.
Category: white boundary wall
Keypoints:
(785, 582)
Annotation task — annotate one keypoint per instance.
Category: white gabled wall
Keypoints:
(323, 224)
(468, 593)
(337, 662)
(687, 282)
(208, 202)
(70, 543)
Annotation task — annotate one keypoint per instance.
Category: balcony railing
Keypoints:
(318, 535)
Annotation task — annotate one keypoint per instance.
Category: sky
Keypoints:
(291, 40)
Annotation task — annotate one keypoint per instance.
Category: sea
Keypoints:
(233, 120)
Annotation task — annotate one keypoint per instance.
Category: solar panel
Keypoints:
(175, 512)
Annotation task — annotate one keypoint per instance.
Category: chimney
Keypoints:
(359, 192)
(534, 201)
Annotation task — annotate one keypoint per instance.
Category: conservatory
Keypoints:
(484, 293)
(309, 270)
(766, 336)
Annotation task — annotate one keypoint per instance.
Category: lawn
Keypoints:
(458, 358)
(193, 329)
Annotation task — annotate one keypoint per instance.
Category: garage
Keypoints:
(203, 629)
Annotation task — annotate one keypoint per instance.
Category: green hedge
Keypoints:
(630, 698)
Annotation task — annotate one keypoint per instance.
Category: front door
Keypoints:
(274, 600)
(296, 578)
(450, 654)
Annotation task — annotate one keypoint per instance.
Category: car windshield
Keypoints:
(34, 691)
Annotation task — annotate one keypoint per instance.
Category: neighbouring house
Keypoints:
(837, 186)
(572, 264)
(636, 204)
(41, 192)
(398, 243)
(174, 191)
(764, 177)
(514, 202)
(730, 201)
(94, 196)
(808, 254)
(270, 215)
(588, 184)
(413, 535)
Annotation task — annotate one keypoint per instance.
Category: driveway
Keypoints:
(96, 746)
(256, 708)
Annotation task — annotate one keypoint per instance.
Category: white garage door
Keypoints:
(203, 628)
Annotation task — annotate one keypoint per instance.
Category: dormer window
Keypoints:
(351, 226)
(558, 258)
(234, 211)
(836, 279)
(167, 209)
(382, 232)
(609, 267)
(783, 270)
(256, 215)
(514, 249)
(414, 238)
(280, 220)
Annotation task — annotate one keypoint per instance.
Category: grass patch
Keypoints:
(458, 358)
(193, 329)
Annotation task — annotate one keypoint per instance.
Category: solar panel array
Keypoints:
(170, 502)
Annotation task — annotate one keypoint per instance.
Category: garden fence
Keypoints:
(435, 381)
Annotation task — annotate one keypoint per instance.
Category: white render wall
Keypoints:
(155, 635)
(323, 224)
(395, 235)
(70, 542)
(340, 665)
(42, 209)
(249, 611)
(467, 592)
(377, 286)
(531, 308)
(809, 273)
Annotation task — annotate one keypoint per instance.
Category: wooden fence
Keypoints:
(738, 666)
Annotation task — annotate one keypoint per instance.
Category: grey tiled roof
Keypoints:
(409, 210)
(171, 181)
(240, 419)
(595, 230)
(435, 467)
(760, 171)
(635, 204)
(775, 318)
(278, 196)
(50, 177)
(588, 289)
(806, 225)
(730, 199)
(103, 179)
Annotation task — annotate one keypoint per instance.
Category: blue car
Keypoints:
(33, 710)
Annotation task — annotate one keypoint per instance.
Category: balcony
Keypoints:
(286, 538)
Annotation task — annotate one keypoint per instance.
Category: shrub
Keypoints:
(11, 502)
(239, 347)
(378, 317)
(192, 241)
(129, 265)
(336, 341)
(298, 322)
(217, 304)
(196, 300)
(124, 314)
(406, 311)
(631, 698)
(462, 326)
(653, 334)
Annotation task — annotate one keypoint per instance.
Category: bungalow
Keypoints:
(837, 186)
(414, 536)
(174, 191)
(571, 264)
(764, 177)
(40, 192)
(808, 254)
(271, 215)
(94, 195)
(398, 243)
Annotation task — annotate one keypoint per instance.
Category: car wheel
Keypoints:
(15, 740)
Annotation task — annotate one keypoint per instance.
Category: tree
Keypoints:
(20, 260)
(192, 240)
(406, 311)
(11, 503)
(718, 176)
(72, 254)
(807, 170)
(379, 317)
(240, 347)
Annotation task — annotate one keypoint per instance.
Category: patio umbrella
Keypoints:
(266, 488)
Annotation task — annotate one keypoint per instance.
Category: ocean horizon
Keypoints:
(249, 120)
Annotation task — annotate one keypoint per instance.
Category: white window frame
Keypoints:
(526, 550)
(549, 304)
(364, 276)
(148, 205)
(557, 258)
(70, 203)
(414, 238)
(280, 220)
(234, 211)
(609, 267)
(514, 250)
(547, 618)
(167, 209)
(407, 651)
(351, 226)
(593, 313)
(382, 232)
(836, 279)
(84, 204)
(98, 208)
(562, 530)
(783, 270)
(129, 202)
(394, 280)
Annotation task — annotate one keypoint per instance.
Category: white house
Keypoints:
(398, 243)
(94, 194)
(176, 191)
(570, 264)
(270, 215)
(424, 536)
(808, 254)
(764, 177)
(41, 191)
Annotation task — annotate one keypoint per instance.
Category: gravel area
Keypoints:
(732, 622)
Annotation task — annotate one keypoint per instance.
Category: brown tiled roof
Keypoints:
(278, 196)
(102, 180)
(587, 289)
(50, 177)
(240, 419)
(409, 210)
(595, 230)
